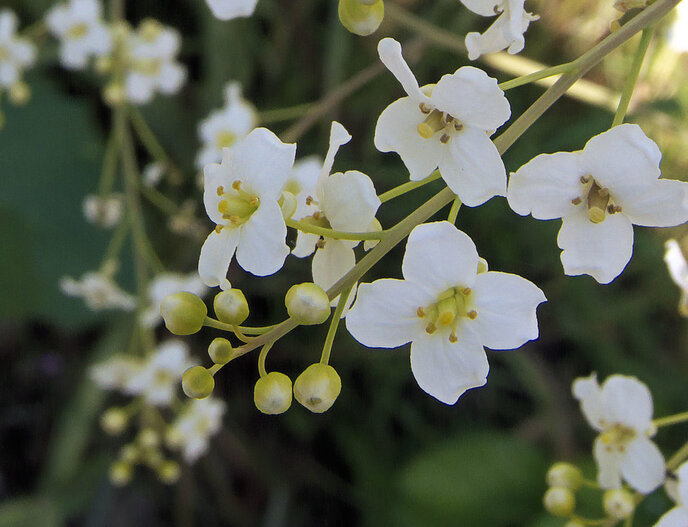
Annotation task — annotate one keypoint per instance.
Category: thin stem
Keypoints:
(157, 198)
(261, 358)
(109, 171)
(330, 233)
(407, 187)
(334, 322)
(284, 114)
(116, 10)
(671, 420)
(538, 75)
(454, 211)
(633, 75)
(240, 334)
(117, 241)
(678, 458)
(213, 323)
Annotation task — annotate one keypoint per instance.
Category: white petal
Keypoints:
(446, 370)
(349, 201)
(483, 7)
(229, 9)
(608, 461)
(439, 256)
(139, 88)
(545, 186)
(338, 137)
(332, 262)
(682, 490)
(9, 74)
(601, 250)
(390, 55)
(8, 24)
(305, 244)
(502, 34)
(472, 97)
(171, 77)
(216, 255)
(626, 400)
(676, 517)
(676, 263)
(664, 204)
(384, 315)
(303, 179)
(506, 306)
(262, 248)
(73, 55)
(397, 131)
(589, 394)
(214, 177)
(474, 170)
(643, 465)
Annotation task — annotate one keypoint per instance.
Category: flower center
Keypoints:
(236, 205)
(452, 306)
(225, 139)
(437, 121)
(617, 437)
(77, 31)
(598, 200)
(148, 67)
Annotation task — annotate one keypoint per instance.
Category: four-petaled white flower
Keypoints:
(114, 373)
(191, 431)
(16, 53)
(229, 9)
(678, 516)
(103, 211)
(159, 377)
(447, 310)
(98, 290)
(678, 270)
(446, 125)
(223, 128)
(164, 285)
(79, 26)
(151, 62)
(241, 197)
(621, 411)
(599, 193)
(505, 33)
(345, 202)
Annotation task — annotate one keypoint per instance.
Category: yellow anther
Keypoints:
(577, 201)
(458, 126)
(77, 31)
(613, 209)
(220, 190)
(444, 139)
(498, 10)
(236, 185)
(316, 215)
(425, 108)
(472, 314)
(585, 179)
(254, 201)
(432, 124)
(234, 219)
(466, 291)
(320, 244)
(453, 338)
(420, 312)
(430, 328)
(218, 228)
(309, 200)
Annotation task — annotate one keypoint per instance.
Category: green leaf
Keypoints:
(29, 512)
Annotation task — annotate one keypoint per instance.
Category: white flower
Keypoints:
(159, 377)
(506, 32)
(98, 290)
(241, 196)
(105, 212)
(192, 430)
(166, 284)
(447, 310)
(344, 202)
(229, 9)
(115, 372)
(153, 173)
(223, 128)
(621, 411)
(82, 33)
(16, 53)
(446, 125)
(151, 53)
(599, 193)
(678, 270)
(678, 516)
(302, 183)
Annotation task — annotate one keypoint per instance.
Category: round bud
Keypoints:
(317, 387)
(220, 351)
(20, 93)
(565, 475)
(114, 94)
(120, 473)
(129, 453)
(197, 382)
(272, 393)
(307, 304)
(114, 421)
(618, 503)
(361, 18)
(168, 472)
(183, 313)
(231, 306)
(559, 501)
(149, 438)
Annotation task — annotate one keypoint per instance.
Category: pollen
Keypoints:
(236, 185)
(420, 312)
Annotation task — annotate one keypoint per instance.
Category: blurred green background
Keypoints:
(386, 453)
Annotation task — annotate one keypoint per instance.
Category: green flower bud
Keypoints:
(168, 472)
(307, 304)
(317, 387)
(149, 438)
(220, 351)
(231, 306)
(197, 382)
(565, 475)
(114, 421)
(129, 453)
(120, 473)
(361, 18)
(272, 393)
(618, 503)
(183, 313)
(559, 501)
(114, 94)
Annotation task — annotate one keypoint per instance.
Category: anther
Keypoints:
(220, 190)
(316, 215)
(577, 201)
(466, 291)
(254, 201)
(585, 179)
(320, 244)
(458, 126)
(424, 108)
(498, 10)
(472, 314)
(453, 338)
(430, 328)
(613, 209)
(309, 200)
(218, 228)
(234, 219)
(236, 185)
(444, 139)
(420, 312)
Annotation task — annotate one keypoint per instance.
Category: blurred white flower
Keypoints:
(621, 411)
(678, 516)
(105, 212)
(505, 33)
(79, 26)
(446, 125)
(229, 9)
(191, 431)
(166, 284)
(114, 373)
(678, 270)
(447, 310)
(16, 53)
(600, 193)
(153, 173)
(223, 128)
(98, 290)
(678, 30)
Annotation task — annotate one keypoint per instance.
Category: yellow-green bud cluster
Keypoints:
(114, 421)
(317, 387)
(361, 17)
(231, 307)
(183, 313)
(307, 304)
(198, 382)
(564, 480)
(559, 501)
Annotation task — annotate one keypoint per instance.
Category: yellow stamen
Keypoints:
(472, 314)
(220, 190)
(420, 312)
(430, 328)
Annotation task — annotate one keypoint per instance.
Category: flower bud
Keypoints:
(231, 306)
(184, 313)
(317, 387)
(168, 472)
(20, 93)
(565, 475)
(120, 473)
(559, 501)
(361, 18)
(149, 438)
(114, 94)
(197, 382)
(114, 421)
(272, 393)
(618, 503)
(129, 453)
(220, 351)
(307, 304)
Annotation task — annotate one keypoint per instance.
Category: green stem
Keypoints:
(671, 420)
(213, 323)
(407, 187)
(538, 75)
(261, 358)
(678, 458)
(330, 233)
(454, 211)
(332, 331)
(157, 198)
(107, 177)
(117, 241)
(633, 75)
(283, 114)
